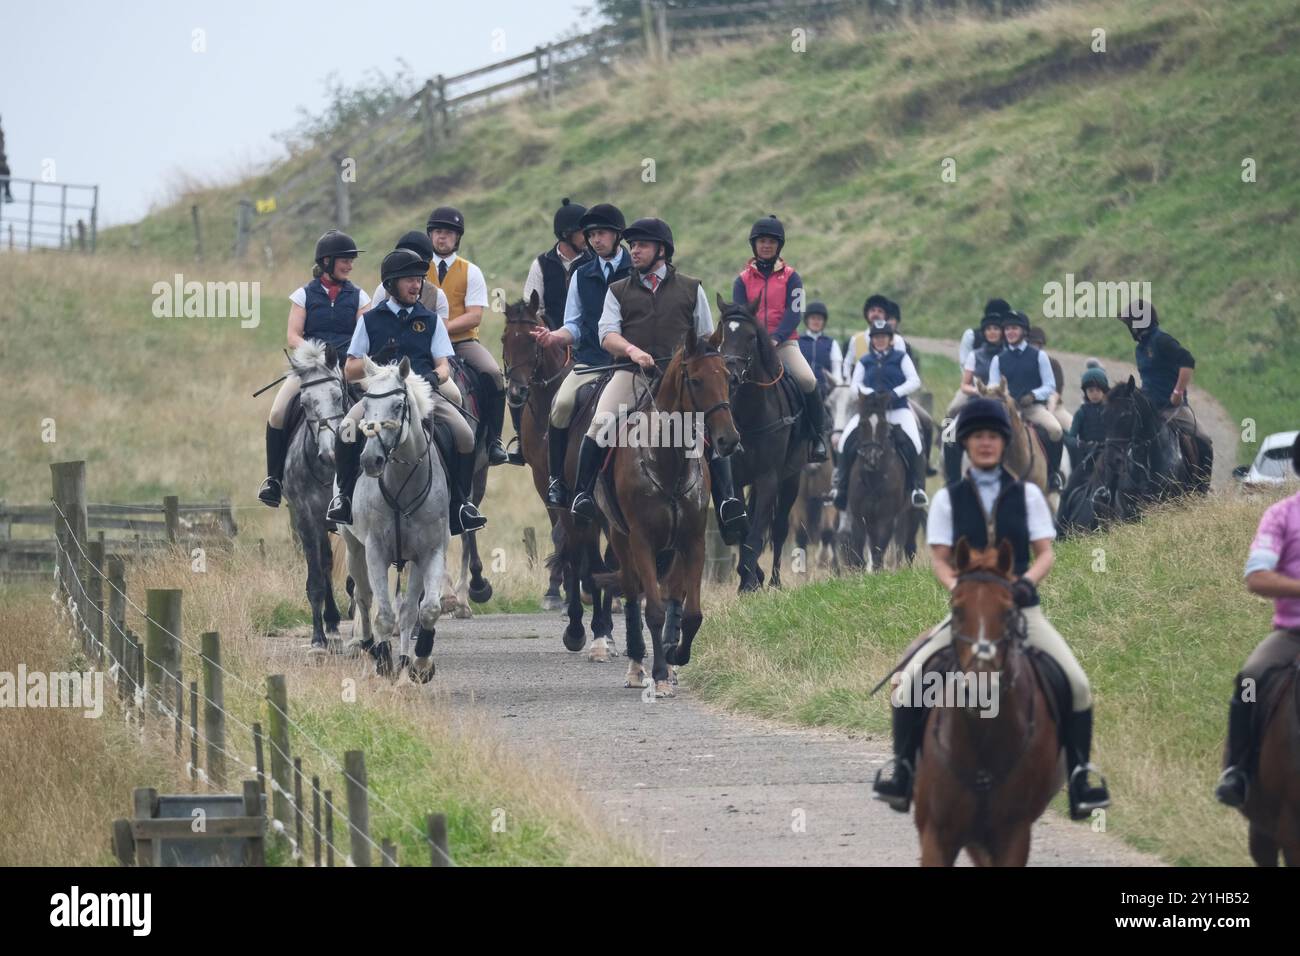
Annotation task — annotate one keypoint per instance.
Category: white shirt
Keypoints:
(440, 347)
(966, 347)
(475, 285)
(938, 529)
(443, 309)
(299, 298)
(535, 283)
(1044, 371)
(851, 360)
(611, 318)
(909, 386)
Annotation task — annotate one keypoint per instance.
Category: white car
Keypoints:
(1272, 466)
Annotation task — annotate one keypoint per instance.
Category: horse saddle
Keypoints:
(1273, 694)
(294, 414)
(793, 398)
(606, 496)
(589, 392)
(470, 385)
(1056, 689)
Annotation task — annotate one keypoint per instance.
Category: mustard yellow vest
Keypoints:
(454, 288)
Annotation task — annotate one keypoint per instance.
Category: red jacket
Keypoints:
(771, 291)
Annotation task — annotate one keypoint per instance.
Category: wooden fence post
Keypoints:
(530, 546)
(116, 616)
(428, 120)
(661, 27)
(243, 222)
(647, 28)
(144, 802)
(444, 120)
(172, 514)
(258, 759)
(194, 733)
(254, 849)
(214, 703)
(162, 643)
(297, 807)
(277, 699)
(95, 597)
(437, 827)
(315, 820)
(329, 828)
(387, 853)
(180, 711)
(354, 769)
(69, 487)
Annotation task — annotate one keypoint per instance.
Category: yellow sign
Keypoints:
(265, 205)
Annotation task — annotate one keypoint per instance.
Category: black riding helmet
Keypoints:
(1016, 317)
(880, 327)
(816, 308)
(893, 311)
(335, 245)
(980, 413)
(1139, 310)
(400, 264)
(996, 308)
(990, 318)
(652, 230)
(770, 227)
(567, 219)
(418, 242)
(446, 217)
(603, 215)
(875, 301)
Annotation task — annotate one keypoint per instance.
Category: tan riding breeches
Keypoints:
(617, 400)
(1037, 414)
(476, 356)
(566, 396)
(1279, 649)
(280, 407)
(446, 398)
(1039, 633)
(796, 366)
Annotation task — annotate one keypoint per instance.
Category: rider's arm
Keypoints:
(1180, 389)
(441, 350)
(297, 325)
(966, 346)
(912, 382)
(837, 363)
(938, 534)
(443, 370)
(1272, 584)
(358, 348)
(1046, 375)
(1044, 558)
(790, 319)
(355, 370)
(476, 301)
(859, 382)
(968, 376)
(1262, 576)
(1038, 516)
(610, 333)
(572, 328)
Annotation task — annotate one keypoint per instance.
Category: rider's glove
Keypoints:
(1027, 399)
(1024, 593)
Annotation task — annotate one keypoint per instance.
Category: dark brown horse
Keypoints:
(533, 375)
(772, 428)
(983, 780)
(661, 502)
(1144, 459)
(880, 498)
(1273, 798)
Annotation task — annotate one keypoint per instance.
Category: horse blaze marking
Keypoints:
(733, 325)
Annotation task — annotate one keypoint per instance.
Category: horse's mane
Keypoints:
(1123, 396)
(766, 351)
(385, 377)
(310, 352)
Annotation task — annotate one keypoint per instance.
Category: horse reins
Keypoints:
(393, 500)
(314, 425)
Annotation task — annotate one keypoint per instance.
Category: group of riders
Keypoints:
(609, 291)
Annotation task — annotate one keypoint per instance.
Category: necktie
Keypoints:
(609, 272)
(402, 315)
(654, 281)
(442, 270)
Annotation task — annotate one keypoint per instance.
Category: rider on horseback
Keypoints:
(466, 291)
(1272, 571)
(975, 366)
(1166, 370)
(820, 351)
(327, 309)
(775, 290)
(885, 368)
(986, 507)
(1028, 372)
(550, 276)
(1087, 430)
(431, 297)
(402, 326)
(973, 337)
(645, 316)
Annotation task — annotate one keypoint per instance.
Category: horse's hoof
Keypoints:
(599, 653)
(383, 655)
(616, 606)
(552, 602)
(636, 677)
(316, 655)
(672, 673)
(664, 688)
(462, 612)
(575, 637)
(481, 595)
(423, 670)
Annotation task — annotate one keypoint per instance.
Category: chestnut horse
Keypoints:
(533, 375)
(981, 780)
(1273, 797)
(661, 493)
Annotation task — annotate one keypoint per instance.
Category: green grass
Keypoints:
(1161, 632)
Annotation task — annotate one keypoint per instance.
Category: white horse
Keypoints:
(399, 511)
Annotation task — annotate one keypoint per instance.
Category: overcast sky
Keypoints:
(114, 94)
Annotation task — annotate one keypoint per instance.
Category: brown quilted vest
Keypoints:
(657, 321)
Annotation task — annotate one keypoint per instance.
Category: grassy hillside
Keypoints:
(1123, 165)
(1161, 631)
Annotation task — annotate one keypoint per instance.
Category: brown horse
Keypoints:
(982, 780)
(880, 506)
(1273, 798)
(533, 375)
(661, 503)
(1025, 457)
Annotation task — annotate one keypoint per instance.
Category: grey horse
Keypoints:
(309, 477)
(399, 511)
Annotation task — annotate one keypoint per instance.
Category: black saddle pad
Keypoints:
(589, 391)
(294, 414)
(1055, 687)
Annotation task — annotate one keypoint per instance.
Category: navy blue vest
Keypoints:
(984, 358)
(331, 323)
(413, 338)
(591, 288)
(817, 352)
(1020, 369)
(1159, 375)
(1089, 422)
(884, 373)
(1010, 518)
(555, 284)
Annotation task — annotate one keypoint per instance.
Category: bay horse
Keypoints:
(1273, 797)
(774, 447)
(1143, 461)
(982, 781)
(660, 503)
(309, 477)
(814, 516)
(880, 498)
(471, 585)
(533, 375)
(1026, 458)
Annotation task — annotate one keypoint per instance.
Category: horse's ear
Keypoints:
(1131, 383)
(981, 387)
(692, 341)
(722, 305)
(331, 357)
(405, 368)
(370, 367)
(753, 306)
(1006, 557)
(534, 302)
(961, 557)
(715, 339)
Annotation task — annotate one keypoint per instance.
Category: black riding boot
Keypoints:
(461, 514)
(1234, 783)
(277, 447)
(816, 413)
(1054, 465)
(733, 523)
(494, 415)
(915, 469)
(515, 453)
(952, 453)
(894, 780)
(1084, 798)
(557, 447)
(590, 455)
(347, 464)
(1206, 466)
(840, 488)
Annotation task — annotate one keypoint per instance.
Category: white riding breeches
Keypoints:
(904, 418)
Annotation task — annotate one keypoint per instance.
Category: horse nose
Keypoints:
(727, 444)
